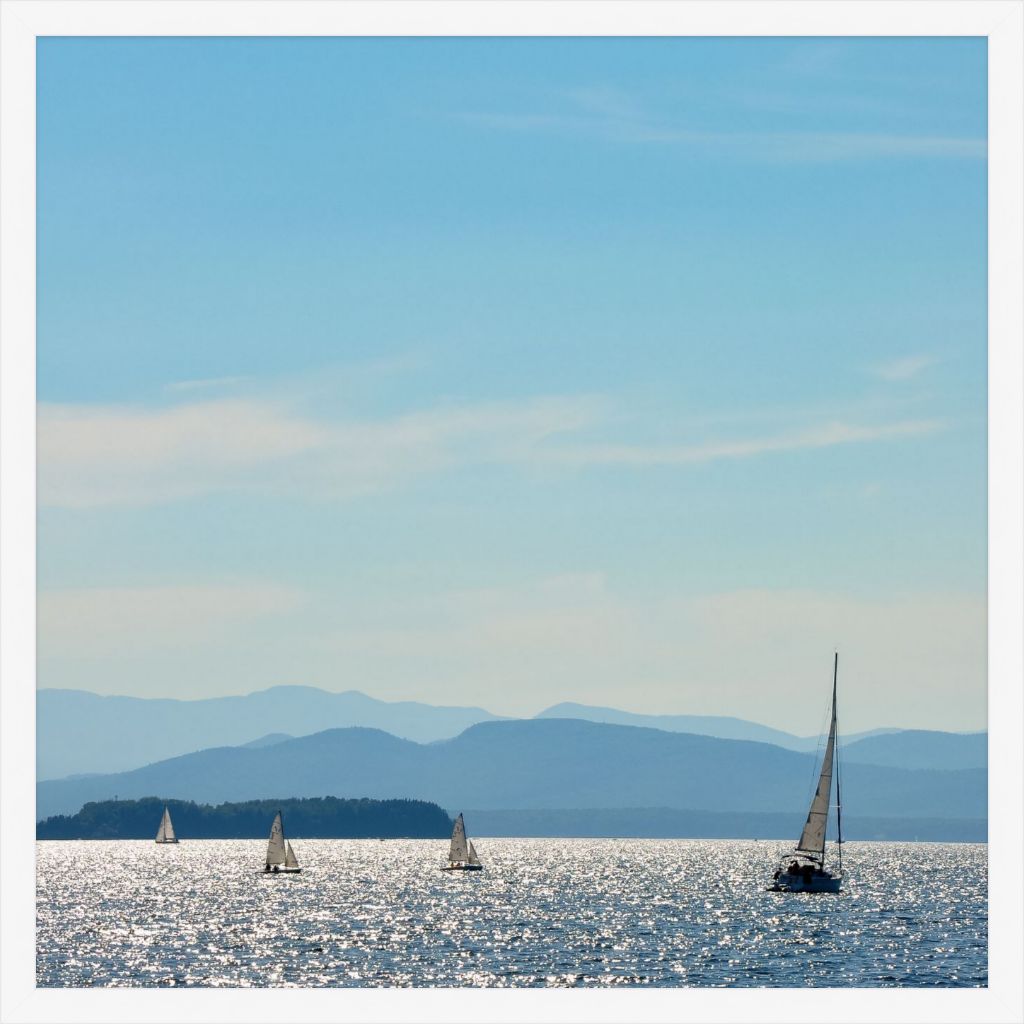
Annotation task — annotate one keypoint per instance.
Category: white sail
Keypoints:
(812, 839)
(275, 848)
(290, 860)
(165, 833)
(473, 858)
(458, 853)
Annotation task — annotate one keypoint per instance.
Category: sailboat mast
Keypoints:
(839, 799)
(832, 735)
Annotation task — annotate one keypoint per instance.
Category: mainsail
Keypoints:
(165, 833)
(812, 839)
(290, 860)
(275, 848)
(458, 852)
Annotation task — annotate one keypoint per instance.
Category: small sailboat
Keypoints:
(165, 833)
(462, 854)
(804, 870)
(281, 859)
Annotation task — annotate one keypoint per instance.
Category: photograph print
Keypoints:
(511, 512)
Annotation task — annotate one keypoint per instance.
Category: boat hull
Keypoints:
(167, 842)
(463, 867)
(823, 882)
(281, 871)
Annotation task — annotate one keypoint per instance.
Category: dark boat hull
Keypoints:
(817, 882)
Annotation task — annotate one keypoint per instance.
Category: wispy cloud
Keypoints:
(903, 368)
(92, 456)
(96, 456)
(89, 455)
(826, 435)
(611, 116)
(303, 382)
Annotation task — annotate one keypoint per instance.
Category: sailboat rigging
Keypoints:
(165, 833)
(804, 870)
(281, 857)
(462, 855)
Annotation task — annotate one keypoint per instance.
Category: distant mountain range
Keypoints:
(82, 733)
(79, 732)
(544, 763)
(703, 725)
(919, 748)
(894, 748)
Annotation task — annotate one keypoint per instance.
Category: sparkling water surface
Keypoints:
(560, 912)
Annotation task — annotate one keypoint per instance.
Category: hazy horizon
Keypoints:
(526, 716)
(638, 373)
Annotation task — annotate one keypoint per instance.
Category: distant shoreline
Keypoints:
(310, 818)
(339, 818)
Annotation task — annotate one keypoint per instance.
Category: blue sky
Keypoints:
(637, 372)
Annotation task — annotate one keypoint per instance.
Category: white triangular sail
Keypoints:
(812, 839)
(290, 860)
(458, 852)
(165, 834)
(473, 858)
(275, 848)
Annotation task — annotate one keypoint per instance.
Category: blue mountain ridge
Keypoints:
(724, 727)
(79, 732)
(532, 764)
(84, 733)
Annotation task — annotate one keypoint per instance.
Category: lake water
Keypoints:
(544, 912)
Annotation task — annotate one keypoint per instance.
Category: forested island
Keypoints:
(325, 817)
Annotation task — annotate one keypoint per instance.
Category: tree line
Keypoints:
(324, 817)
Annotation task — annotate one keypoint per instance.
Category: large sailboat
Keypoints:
(165, 833)
(281, 859)
(462, 854)
(804, 870)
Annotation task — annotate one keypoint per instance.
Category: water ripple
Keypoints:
(563, 913)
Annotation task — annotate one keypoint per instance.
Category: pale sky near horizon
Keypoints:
(633, 372)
